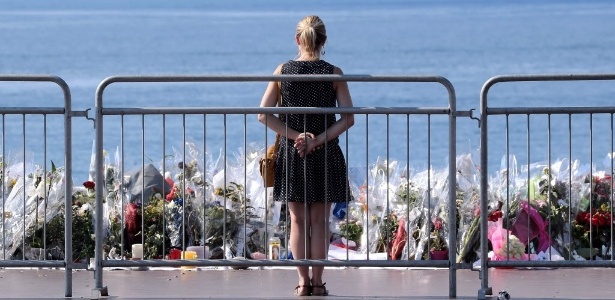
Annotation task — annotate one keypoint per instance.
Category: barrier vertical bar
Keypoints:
(98, 228)
(484, 171)
(452, 175)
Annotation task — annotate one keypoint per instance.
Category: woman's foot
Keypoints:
(319, 290)
(303, 290)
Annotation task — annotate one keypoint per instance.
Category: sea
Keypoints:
(467, 42)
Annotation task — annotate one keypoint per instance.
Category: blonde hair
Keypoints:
(312, 34)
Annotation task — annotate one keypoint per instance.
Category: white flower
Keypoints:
(86, 207)
(253, 155)
(516, 248)
(197, 178)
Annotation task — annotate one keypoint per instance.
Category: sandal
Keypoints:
(303, 290)
(322, 290)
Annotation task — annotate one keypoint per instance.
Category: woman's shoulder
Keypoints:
(336, 70)
(281, 67)
(293, 66)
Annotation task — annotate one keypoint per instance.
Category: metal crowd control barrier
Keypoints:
(66, 112)
(102, 112)
(486, 112)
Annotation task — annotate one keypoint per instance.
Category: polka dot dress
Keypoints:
(320, 176)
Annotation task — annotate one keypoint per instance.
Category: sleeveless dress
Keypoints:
(321, 176)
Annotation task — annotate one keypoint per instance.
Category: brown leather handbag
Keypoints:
(267, 163)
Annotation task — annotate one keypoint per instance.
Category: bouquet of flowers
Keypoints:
(593, 229)
(506, 246)
(437, 241)
(182, 215)
(35, 199)
(468, 209)
(351, 230)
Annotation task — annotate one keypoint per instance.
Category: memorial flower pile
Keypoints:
(402, 213)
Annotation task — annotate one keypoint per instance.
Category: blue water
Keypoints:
(467, 42)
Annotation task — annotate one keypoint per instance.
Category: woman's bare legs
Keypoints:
(299, 227)
(319, 216)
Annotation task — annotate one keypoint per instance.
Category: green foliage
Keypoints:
(83, 233)
(351, 230)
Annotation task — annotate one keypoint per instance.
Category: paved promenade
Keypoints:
(278, 283)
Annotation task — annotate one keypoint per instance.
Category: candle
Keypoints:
(175, 253)
(188, 255)
(137, 251)
(199, 250)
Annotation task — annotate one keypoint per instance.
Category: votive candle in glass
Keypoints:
(137, 251)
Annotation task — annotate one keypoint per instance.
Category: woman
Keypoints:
(309, 145)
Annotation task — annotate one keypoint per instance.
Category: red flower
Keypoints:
(495, 215)
(437, 224)
(599, 218)
(169, 181)
(582, 217)
(89, 185)
(132, 223)
(171, 195)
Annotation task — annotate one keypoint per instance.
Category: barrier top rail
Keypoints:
(34, 77)
(232, 78)
(38, 78)
(264, 78)
(539, 77)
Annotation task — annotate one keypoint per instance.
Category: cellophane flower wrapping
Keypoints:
(506, 246)
(409, 204)
(184, 207)
(537, 210)
(435, 210)
(115, 196)
(251, 214)
(468, 208)
(43, 193)
(379, 220)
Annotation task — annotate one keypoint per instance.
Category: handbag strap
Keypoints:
(277, 136)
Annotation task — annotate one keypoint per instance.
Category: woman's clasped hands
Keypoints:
(305, 143)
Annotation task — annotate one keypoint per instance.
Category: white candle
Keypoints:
(137, 251)
(200, 251)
